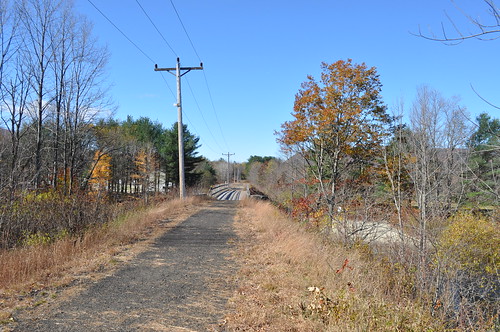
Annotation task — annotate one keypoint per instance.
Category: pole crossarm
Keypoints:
(174, 70)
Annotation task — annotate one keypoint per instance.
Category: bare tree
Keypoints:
(436, 145)
(9, 21)
(61, 65)
(395, 159)
(37, 18)
(85, 98)
(13, 113)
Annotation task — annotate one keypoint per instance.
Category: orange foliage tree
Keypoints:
(101, 173)
(339, 122)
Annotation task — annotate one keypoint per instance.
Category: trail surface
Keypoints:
(181, 283)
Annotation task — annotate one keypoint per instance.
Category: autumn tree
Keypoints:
(101, 171)
(113, 139)
(339, 123)
(149, 138)
(145, 164)
(469, 266)
(255, 159)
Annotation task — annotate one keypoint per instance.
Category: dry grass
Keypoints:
(34, 269)
(293, 280)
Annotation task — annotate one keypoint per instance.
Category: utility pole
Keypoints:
(228, 154)
(179, 72)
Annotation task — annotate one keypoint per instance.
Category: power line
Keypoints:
(196, 131)
(185, 31)
(204, 75)
(130, 40)
(202, 116)
(168, 86)
(124, 35)
(213, 108)
(149, 58)
(157, 30)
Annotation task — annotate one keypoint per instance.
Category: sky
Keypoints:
(257, 53)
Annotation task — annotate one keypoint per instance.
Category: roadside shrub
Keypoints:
(468, 257)
(38, 218)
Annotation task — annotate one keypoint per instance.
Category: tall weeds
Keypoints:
(32, 218)
(45, 261)
(295, 280)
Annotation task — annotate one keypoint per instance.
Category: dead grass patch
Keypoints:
(294, 280)
(32, 274)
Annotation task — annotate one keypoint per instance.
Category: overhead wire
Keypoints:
(204, 75)
(195, 130)
(168, 86)
(124, 35)
(185, 31)
(148, 57)
(130, 40)
(173, 51)
(202, 116)
(215, 112)
(157, 30)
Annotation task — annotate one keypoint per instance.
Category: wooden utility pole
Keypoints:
(179, 72)
(228, 173)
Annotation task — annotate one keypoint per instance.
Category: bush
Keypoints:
(469, 260)
(41, 218)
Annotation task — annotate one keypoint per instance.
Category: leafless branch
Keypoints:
(486, 101)
(486, 32)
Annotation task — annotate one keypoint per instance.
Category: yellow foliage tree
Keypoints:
(101, 173)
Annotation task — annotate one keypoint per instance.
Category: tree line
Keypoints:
(140, 156)
(64, 160)
(53, 98)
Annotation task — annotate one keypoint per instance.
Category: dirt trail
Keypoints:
(181, 283)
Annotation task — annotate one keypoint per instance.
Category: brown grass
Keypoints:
(294, 280)
(30, 270)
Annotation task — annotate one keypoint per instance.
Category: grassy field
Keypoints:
(294, 280)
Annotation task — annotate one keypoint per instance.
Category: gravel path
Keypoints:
(181, 283)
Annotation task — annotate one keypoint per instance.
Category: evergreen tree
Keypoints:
(170, 154)
(485, 161)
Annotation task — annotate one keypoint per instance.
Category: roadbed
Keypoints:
(180, 283)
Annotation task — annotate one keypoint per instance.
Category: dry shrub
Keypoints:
(468, 263)
(44, 264)
(33, 218)
(295, 280)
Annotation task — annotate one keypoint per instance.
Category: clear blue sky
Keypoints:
(257, 53)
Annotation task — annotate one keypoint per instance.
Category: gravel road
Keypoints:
(181, 283)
